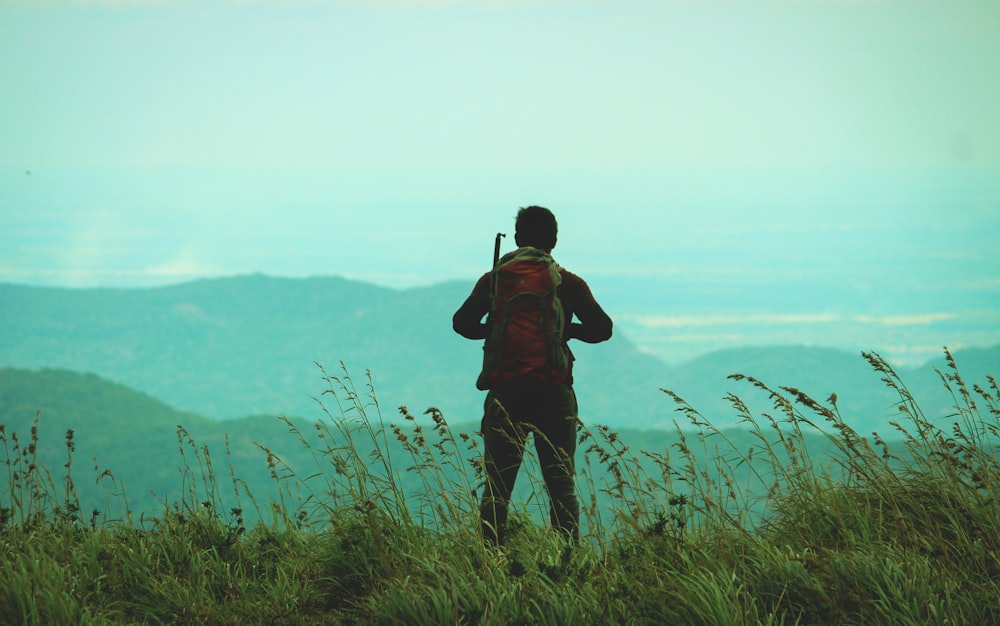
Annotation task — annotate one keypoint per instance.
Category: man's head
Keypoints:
(536, 227)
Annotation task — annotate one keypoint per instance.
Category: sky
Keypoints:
(808, 158)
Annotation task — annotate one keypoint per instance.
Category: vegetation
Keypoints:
(765, 528)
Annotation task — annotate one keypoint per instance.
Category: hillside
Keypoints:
(133, 435)
(158, 453)
(669, 524)
(230, 347)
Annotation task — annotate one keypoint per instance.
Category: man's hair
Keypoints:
(536, 226)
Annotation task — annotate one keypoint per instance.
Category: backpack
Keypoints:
(525, 335)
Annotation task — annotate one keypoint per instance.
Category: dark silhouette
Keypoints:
(528, 369)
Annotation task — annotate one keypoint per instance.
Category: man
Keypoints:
(531, 398)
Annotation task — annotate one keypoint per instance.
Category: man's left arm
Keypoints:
(595, 325)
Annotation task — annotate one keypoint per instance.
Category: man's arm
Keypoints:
(595, 325)
(468, 319)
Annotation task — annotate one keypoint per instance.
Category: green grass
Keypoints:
(722, 528)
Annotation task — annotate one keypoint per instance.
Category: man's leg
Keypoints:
(556, 447)
(503, 444)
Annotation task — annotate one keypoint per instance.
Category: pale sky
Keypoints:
(667, 85)
(144, 142)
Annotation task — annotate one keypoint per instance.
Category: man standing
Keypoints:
(527, 368)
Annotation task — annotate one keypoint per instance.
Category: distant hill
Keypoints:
(247, 345)
(141, 442)
(114, 427)
(817, 371)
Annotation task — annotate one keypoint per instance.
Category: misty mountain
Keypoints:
(249, 345)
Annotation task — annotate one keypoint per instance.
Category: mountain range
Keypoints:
(255, 345)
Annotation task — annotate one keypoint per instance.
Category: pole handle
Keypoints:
(496, 249)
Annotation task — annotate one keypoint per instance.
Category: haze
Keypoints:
(725, 173)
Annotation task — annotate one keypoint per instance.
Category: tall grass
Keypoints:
(893, 528)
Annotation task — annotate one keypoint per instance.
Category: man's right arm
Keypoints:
(468, 319)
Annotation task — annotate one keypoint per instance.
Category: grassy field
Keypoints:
(896, 529)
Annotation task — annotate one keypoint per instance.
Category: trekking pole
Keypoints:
(493, 278)
(496, 249)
